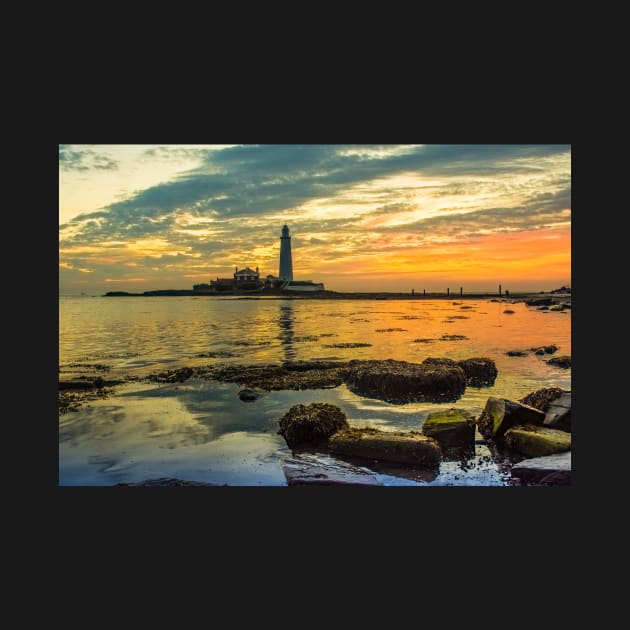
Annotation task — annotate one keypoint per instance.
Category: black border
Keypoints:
(439, 521)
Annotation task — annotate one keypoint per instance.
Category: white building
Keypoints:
(286, 268)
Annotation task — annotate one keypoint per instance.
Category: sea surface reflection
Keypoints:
(200, 430)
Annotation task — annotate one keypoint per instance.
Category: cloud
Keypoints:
(338, 201)
(83, 160)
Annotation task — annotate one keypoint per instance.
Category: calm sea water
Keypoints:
(200, 430)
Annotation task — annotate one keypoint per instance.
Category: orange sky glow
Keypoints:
(373, 218)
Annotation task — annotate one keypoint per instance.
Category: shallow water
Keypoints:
(200, 430)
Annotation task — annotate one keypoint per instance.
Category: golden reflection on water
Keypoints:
(189, 428)
(137, 335)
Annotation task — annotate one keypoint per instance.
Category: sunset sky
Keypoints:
(362, 217)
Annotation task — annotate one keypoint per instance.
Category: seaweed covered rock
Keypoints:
(550, 349)
(479, 371)
(556, 403)
(248, 395)
(402, 382)
(393, 446)
(290, 375)
(542, 398)
(83, 383)
(561, 362)
(548, 470)
(451, 428)
(501, 414)
(311, 425)
(532, 441)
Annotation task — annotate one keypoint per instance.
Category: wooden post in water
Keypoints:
(461, 291)
(448, 292)
(412, 291)
(424, 292)
(499, 290)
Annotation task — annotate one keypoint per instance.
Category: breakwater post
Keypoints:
(499, 290)
(424, 292)
(461, 291)
(412, 291)
(448, 292)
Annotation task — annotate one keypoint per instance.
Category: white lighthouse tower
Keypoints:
(286, 265)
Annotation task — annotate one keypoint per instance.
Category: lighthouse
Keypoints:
(286, 265)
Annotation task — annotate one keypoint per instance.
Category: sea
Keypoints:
(199, 430)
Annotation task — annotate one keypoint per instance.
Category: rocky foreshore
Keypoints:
(517, 433)
(531, 436)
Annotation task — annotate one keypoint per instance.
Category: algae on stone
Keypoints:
(394, 446)
(451, 428)
(500, 414)
(533, 441)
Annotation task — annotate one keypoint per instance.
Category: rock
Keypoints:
(290, 375)
(451, 428)
(393, 446)
(173, 376)
(561, 362)
(479, 371)
(248, 395)
(558, 414)
(550, 349)
(305, 471)
(87, 383)
(551, 469)
(533, 441)
(501, 414)
(542, 308)
(557, 307)
(311, 425)
(401, 381)
(306, 366)
(167, 481)
(439, 362)
(539, 302)
(542, 398)
(509, 311)
(516, 353)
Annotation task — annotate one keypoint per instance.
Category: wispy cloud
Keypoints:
(83, 160)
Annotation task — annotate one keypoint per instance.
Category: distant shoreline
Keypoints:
(335, 295)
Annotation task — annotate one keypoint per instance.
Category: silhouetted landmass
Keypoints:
(529, 297)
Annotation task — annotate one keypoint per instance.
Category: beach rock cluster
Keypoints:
(72, 394)
(434, 380)
(536, 436)
(536, 427)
